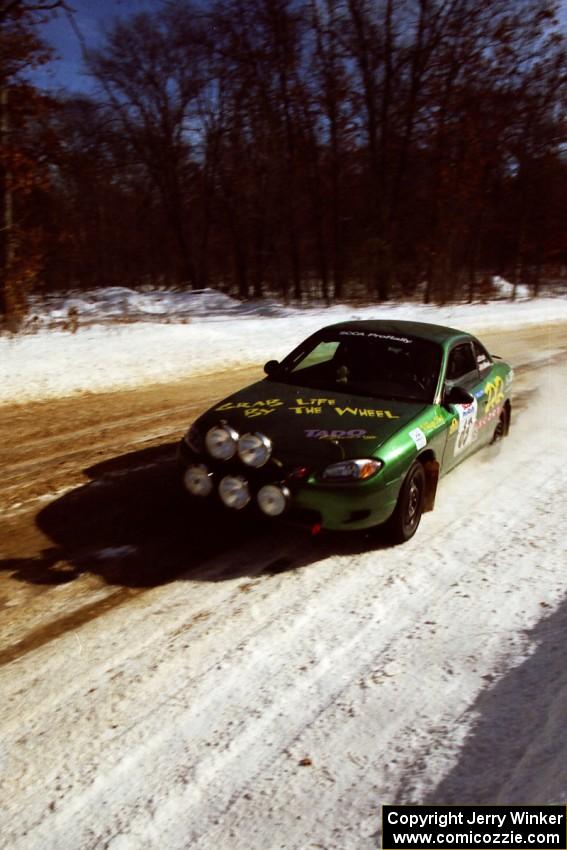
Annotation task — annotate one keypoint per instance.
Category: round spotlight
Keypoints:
(221, 442)
(234, 491)
(254, 449)
(198, 480)
(273, 499)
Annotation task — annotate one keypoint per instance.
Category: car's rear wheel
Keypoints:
(501, 426)
(405, 520)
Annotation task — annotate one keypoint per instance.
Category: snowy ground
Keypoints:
(206, 332)
(275, 697)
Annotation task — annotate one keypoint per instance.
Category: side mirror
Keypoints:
(271, 367)
(458, 395)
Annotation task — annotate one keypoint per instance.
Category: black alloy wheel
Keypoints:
(405, 520)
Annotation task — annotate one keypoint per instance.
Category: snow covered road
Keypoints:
(280, 689)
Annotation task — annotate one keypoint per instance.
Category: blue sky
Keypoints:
(66, 70)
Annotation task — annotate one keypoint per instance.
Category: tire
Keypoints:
(405, 520)
(502, 426)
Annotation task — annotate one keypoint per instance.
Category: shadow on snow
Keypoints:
(134, 526)
(516, 750)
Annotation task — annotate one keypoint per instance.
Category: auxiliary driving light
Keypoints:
(234, 491)
(254, 449)
(221, 442)
(198, 480)
(273, 499)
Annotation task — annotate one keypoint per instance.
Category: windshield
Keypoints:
(368, 363)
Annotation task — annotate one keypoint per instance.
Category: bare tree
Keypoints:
(150, 71)
(20, 49)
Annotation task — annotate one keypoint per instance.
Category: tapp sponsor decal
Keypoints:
(352, 434)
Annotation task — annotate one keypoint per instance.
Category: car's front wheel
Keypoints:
(404, 522)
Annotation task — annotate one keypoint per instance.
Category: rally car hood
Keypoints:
(308, 426)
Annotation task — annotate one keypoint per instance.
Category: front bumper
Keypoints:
(345, 506)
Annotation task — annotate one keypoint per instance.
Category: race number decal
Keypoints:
(494, 391)
(467, 422)
(419, 438)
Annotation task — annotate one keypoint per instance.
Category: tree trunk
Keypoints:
(8, 299)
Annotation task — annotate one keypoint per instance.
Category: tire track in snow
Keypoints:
(373, 645)
(170, 790)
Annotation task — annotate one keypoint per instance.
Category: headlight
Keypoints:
(273, 499)
(351, 470)
(221, 442)
(198, 480)
(234, 491)
(254, 449)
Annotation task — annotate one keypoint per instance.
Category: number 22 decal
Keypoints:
(494, 393)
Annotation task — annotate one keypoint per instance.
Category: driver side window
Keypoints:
(462, 368)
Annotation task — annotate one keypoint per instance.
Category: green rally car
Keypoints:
(352, 429)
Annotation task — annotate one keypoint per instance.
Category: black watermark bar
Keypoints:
(474, 827)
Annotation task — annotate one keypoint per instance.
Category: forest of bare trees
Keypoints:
(309, 149)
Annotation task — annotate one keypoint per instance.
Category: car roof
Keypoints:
(424, 330)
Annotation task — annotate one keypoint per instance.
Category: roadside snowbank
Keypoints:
(115, 356)
(121, 303)
(128, 305)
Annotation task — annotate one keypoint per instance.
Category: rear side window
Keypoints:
(462, 368)
(483, 358)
